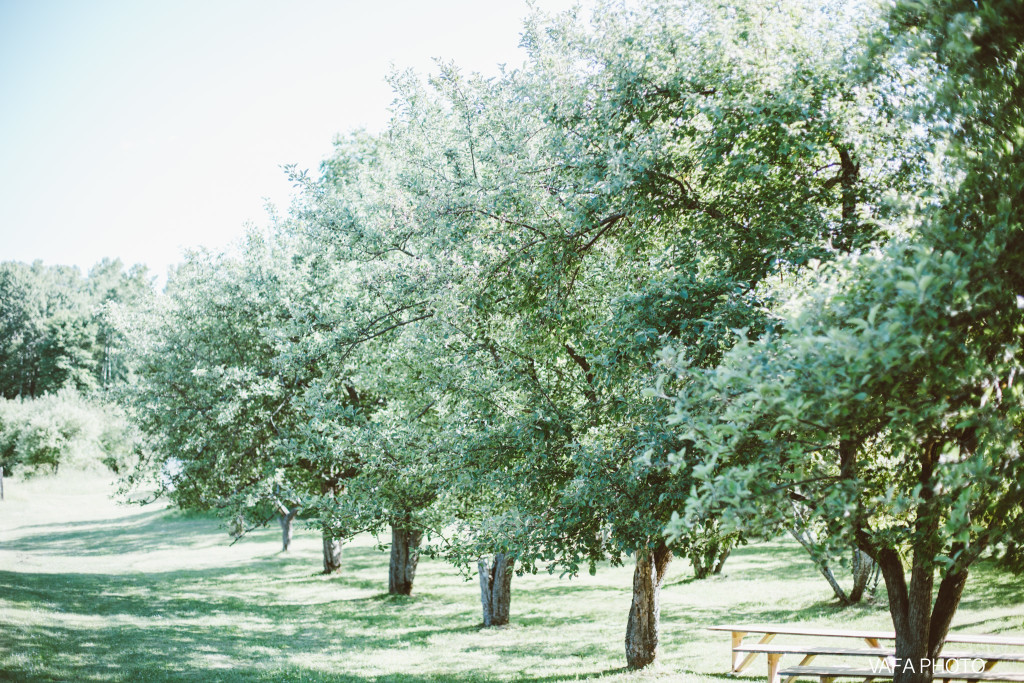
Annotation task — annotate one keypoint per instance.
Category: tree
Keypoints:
(888, 407)
(214, 407)
(66, 354)
(363, 297)
(43, 312)
(109, 284)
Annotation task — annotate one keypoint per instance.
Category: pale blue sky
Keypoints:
(133, 129)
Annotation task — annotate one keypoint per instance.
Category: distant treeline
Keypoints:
(54, 331)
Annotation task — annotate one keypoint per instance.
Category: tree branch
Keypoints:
(588, 373)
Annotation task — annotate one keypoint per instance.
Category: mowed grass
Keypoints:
(91, 590)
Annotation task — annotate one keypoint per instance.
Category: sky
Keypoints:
(135, 130)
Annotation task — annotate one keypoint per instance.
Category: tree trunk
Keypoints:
(496, 588)
(332, 552)
(862, 569)
(405, 554)
(910, 608)
(951, 589)
(711, 560)
(332, 544)
(722, 557)
(645, 612)
(848, 175)
(286, 527)
(710, 550)
(236, 527)
(920, 626)
(701, 570)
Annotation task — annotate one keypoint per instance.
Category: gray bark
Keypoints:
(910, 618)
(332, 544)
(405, 554)
(720, 563)
(863, 568)
(286, 527)
(921, 626)
(645, 612)
(496, 588)
(710, 556)
(236, 527)
(332, 552)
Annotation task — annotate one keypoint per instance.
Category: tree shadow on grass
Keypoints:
(269, 619)
(201, 651)
(989, 586)
(82, 524)
(169, 622)
(143, 532)
(216, 624)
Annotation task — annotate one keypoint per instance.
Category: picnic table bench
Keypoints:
(827, 674)
(743, 655)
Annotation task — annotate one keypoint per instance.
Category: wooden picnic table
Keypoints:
(743, 655)
(769, 631)
(887, 655)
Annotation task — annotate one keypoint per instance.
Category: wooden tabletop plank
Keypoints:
(787, 629)
(985, 639)
(796, 649)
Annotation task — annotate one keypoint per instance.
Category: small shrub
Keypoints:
(63, 429)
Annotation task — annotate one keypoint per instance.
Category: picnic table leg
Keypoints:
(773, 667)
(989, 663)
(803, 662)
(890, 661)
(737, 640)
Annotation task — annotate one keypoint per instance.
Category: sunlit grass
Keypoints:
(94, 591)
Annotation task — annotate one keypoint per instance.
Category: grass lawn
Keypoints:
(90, 590)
